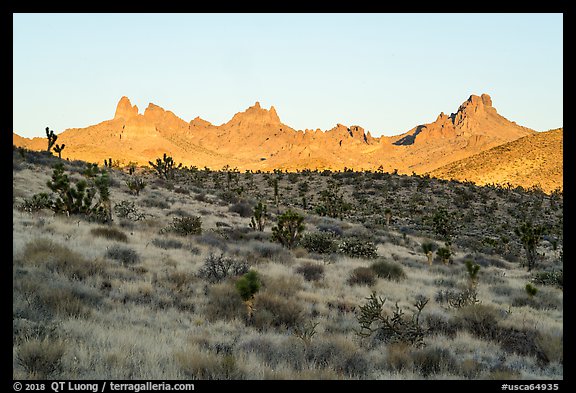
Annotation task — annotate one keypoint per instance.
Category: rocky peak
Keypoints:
(124, 109)
(256, 115)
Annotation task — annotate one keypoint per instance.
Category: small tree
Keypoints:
(530, 236)
(58, 149)
(51, 138)
(444, 254)
(443, 225)
(531, 290)
(289, 228)
(77, 199)
(247, 286)
(259, 218)
(428, 249)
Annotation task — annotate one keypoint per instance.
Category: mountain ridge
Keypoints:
(257, 139)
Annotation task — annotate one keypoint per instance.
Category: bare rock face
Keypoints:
(486, 100)
(258, 133)
(125, 110)
(255, 115)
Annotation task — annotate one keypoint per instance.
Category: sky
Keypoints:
(384, 72)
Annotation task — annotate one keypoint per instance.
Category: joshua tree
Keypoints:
(58, 149)
(388, 215)
(444, 253)
(165, 166)
(428, 249)
(276, 191)
(135, 185)
(530, 236)
(531, 290)
(247, 286)
(443, 226)
(289, 229)
(51, 138)
(259, 218)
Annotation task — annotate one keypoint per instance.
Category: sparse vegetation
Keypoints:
(93, 301)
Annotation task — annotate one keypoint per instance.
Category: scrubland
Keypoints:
(146, 297)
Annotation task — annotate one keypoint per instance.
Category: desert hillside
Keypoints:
(534, 160)
(257, 139)
(204, 275)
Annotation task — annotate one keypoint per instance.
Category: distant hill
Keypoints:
(535, 159)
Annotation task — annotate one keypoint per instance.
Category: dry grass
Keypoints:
(89, 306)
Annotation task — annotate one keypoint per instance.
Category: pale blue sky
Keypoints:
(384, 72)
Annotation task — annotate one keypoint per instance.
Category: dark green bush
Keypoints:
(357, 248)
(185, 226)
(248, 285)
(125, 255)
(318, 242)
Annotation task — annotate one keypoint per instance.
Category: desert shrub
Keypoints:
(552, 346)
(357, 248)
(127, 210)
(208, 366)
(523, 342)
(243, 208)
(185, 226)
(318, 242)
(311, 271)
(338, 354)
(430, 361)
(110, 233)
(224, 302)
(546, 300)
(156, 201)
(272, 251)
(282, 285)
(41, 358)
(479, 319)
(362, 276)
(217, 268)
(167, 244)
(273, 353)
(36, 203)
(213, 240)
(330, 227)
(388, 270)
(554, 278)
(396, 328)
(181, 190)
(274, 310)
(398, 356)
(125, 255)
(228, 196)
(135, 185)
(439, 324)
(457, 298)
(248, 285)
(59, 259)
